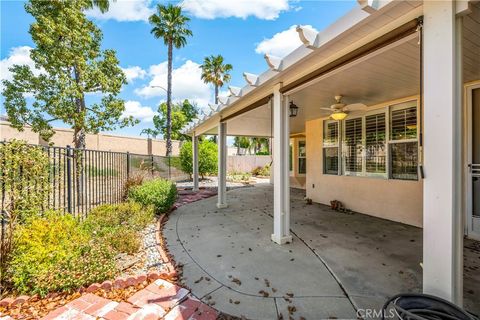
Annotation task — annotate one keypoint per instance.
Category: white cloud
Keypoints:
(211, 9)
(20, 56)
(282, 43)
(136, 110)
(124, 10)
(133, 73)
(186, 83)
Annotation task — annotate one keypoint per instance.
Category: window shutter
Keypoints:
(404, 124)
(330, 137)
(330, 147)
(403, 144)
(353, 145)
(375, 130)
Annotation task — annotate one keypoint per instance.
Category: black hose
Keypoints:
(410, 306)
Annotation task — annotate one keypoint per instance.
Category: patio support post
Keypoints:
(195, 161)
(442, 214)
(222, 165)
(281, 179)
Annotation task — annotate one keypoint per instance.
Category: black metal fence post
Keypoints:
(69, 179)
(153, 168)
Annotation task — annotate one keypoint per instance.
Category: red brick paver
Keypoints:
(159, 300)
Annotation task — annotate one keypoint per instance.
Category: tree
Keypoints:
(149, 132)
(171, 25)
(207, 157)
(241, 143)
(180, 114)
(68, 54)
(260, 145)
(214, 71)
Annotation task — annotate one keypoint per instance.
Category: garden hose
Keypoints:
(410, 306)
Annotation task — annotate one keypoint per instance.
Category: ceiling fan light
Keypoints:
(338, 115)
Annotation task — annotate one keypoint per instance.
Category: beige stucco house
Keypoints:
(388, 123)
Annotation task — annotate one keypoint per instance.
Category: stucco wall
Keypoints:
(246, 163)
(395, 200)
(107, 142)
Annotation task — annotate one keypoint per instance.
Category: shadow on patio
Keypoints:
(337, 262)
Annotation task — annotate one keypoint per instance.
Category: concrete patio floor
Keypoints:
(336, 264)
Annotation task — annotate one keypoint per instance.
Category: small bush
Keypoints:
(117, 225)
(238, 176)
(262, 171)
(159, 193)
(24, 172)
(207, 157)
(95, 263)
(131, 182)
(54, 253)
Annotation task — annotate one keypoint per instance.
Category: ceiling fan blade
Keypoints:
(326, 109)
(354, 107)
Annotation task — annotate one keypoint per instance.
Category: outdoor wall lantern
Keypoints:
(340, 115)
(293, 109)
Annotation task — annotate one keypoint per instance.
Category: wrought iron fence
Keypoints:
(81, 179)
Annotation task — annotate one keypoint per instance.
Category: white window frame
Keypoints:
(344, 147)
(385, 111)
(401, 106)
(337, 145)
(341, 139)
(297, 167)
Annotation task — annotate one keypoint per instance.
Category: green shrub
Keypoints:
(53, 252)
(117, 225)
(262, 171)
(207, 157)
(159, 193)
(24, 175)
(238, 176)
(131, 182)
(95, 263)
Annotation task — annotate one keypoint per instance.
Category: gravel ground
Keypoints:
(212, 182)
(148, 259)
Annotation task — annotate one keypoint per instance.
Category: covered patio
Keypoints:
(408, 155)
(337, 265)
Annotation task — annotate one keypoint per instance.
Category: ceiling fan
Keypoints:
(340, 110)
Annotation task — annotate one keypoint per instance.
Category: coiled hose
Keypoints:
(411, 306)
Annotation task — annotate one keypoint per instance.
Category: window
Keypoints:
(375, 139)
(330, 147)
(302, 157)
(353, 146)
(382, 143)
(403, 143)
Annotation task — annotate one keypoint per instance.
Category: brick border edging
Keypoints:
(120, 282)
(107, 285)
(166, 257)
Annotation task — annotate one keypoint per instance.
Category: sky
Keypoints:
(242, 31)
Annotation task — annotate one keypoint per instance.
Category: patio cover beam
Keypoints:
(391, 37)
(254, 105)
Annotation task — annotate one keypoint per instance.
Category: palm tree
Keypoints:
(149, 132)
(214, 71)
(102, 5)
(171, 25)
